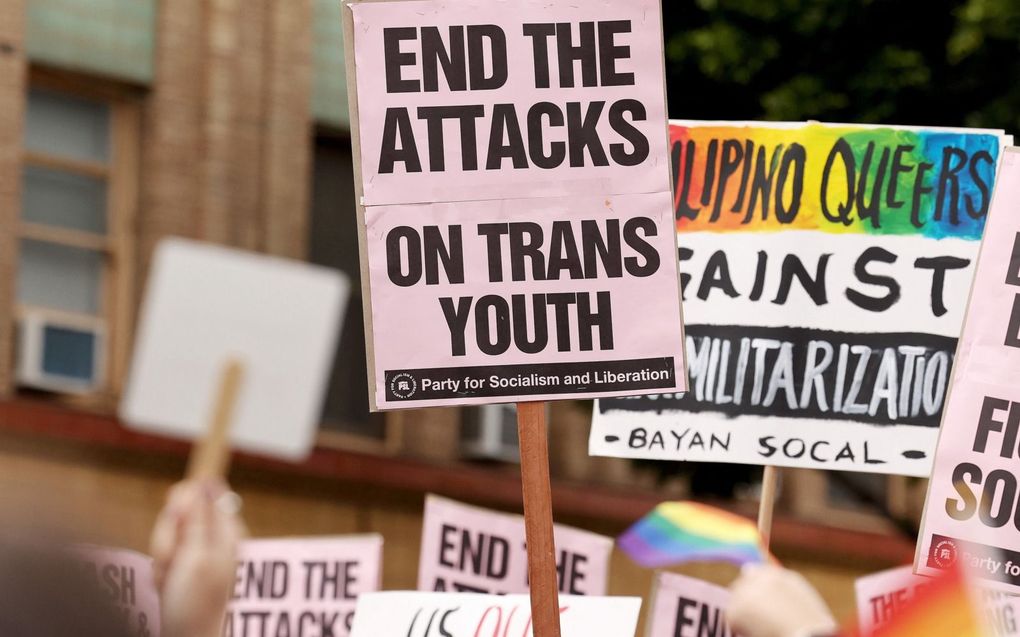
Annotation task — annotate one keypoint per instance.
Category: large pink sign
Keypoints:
(517, 210)
(302, 586)
(972, 516)
(466, 549)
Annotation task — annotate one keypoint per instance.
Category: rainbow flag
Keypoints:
(944, 608)
(679, 532)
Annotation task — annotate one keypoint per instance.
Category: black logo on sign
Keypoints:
(403, 386)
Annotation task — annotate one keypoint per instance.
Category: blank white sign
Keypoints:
(205, 305)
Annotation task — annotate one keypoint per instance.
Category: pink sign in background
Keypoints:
(303, 586)
(881, 595)
(468, 549)
(126, 576)
(971, 517)
(687, 607)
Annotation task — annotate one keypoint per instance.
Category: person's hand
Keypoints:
(194, 553)
(769, 601)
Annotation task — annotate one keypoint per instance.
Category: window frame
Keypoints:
(329, 436)
(121, 172)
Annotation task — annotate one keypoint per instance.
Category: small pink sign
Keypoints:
(126, 578)
(466, 549)
(303, 586)
(687, 607)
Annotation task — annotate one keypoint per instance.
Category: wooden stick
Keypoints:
(767, 505)
(210, 457)
(538, 519)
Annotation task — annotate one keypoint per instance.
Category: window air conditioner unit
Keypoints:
(60, 354)
(489, 432)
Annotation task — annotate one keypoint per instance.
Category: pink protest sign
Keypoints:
(881, 595)
(971, 514)
(126, 577)
(687, 607)
(302, 586)
(466, 549)
(503, 99)
(515, 207)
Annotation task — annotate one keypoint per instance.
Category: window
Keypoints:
(77, 190)
(333, 242)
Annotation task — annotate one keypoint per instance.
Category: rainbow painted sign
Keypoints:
(826, 270)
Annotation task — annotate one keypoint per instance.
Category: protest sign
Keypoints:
(473, 550)
(473, 615)
(825, 273)
(125, 577)
(515, 199)
(302, 586)
(206, 307)
(971, 516)
(687, 607)
(882, 595)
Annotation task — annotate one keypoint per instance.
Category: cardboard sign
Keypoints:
(126, 577)
(687, 607)
(826, 271)
(302, 586)
(882, 595)
(971, 515)
(205, 305)
(516, 200)
(472, 615)
(468, 549)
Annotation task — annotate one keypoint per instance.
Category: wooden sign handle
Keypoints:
(767, 505)
(210, 457)
(532, 430)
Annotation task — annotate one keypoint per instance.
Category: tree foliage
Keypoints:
(924, 62)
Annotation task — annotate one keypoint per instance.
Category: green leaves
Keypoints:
(937, 62)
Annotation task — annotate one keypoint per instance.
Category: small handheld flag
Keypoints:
(680, 532)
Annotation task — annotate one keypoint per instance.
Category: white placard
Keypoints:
(205, 305)
(471, 615)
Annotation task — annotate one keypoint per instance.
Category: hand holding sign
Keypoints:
(194, 549)
(769, 601)
(302, 586)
